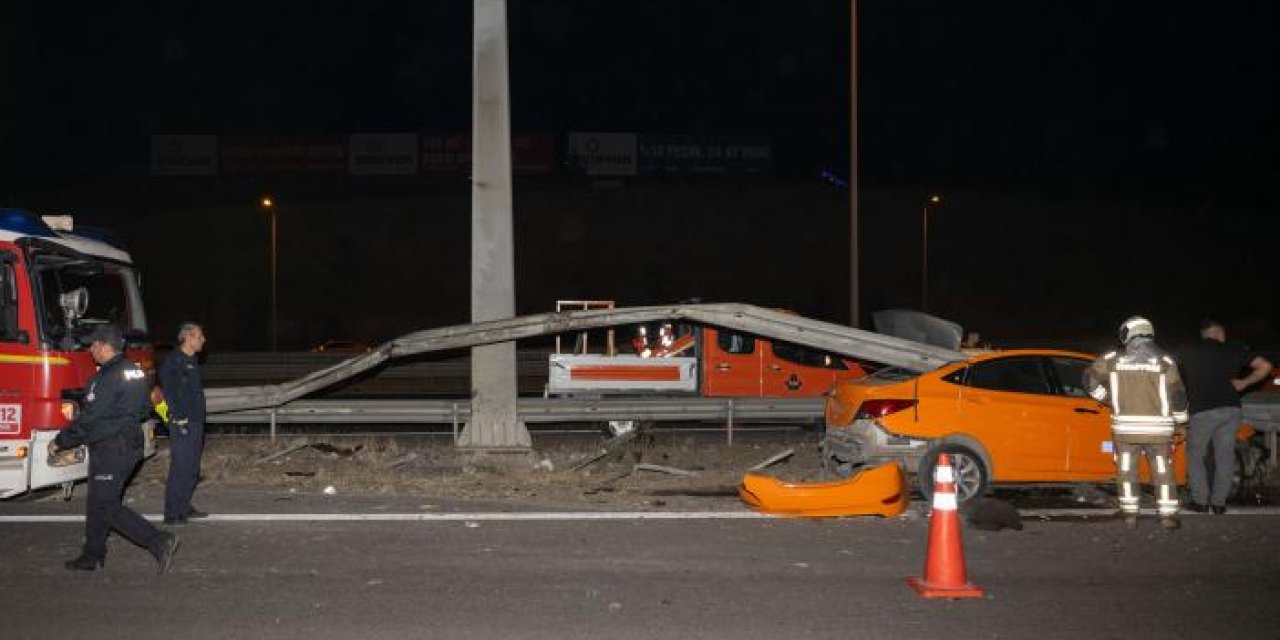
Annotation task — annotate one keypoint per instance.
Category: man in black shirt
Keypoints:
(1211, 370)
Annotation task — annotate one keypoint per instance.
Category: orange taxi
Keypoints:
(1019, 417)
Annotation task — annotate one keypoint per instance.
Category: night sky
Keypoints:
(1142, 135)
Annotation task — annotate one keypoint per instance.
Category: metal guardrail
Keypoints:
(1262, 412)
(531, 410)
(768, 323)
(258, 366)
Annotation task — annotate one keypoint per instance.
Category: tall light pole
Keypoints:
(854, 276)
(269, 206)
(495, 424)
(930, 202)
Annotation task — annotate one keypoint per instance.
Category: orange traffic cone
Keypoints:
(944, 565)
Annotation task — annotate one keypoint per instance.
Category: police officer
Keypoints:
(184, 393)
(1142, 384)
(116, 403)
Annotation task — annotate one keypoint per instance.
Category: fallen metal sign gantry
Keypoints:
(777, 325)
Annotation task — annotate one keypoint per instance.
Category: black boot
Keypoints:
(164, 551)
(83, 563)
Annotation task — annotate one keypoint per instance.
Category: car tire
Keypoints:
(972, 477)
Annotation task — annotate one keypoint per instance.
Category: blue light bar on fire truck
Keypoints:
(25, 223)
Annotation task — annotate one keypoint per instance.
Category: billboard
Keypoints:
(603, 154)
(450, 153)
(184, 155)
(283, 155)
(384, 154)
(704, 155)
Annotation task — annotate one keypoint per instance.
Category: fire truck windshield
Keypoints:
(77, 294)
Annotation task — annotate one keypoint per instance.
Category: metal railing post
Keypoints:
(455, 423)
(729, 426)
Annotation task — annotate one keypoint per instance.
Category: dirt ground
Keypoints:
(664, 470)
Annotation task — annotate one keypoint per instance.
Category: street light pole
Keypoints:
(854, 276)
(933, 200)
(269, 206)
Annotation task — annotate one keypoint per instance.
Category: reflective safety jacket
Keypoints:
(1144, 389)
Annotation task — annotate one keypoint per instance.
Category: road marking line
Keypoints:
(434, 517)
(569, 516)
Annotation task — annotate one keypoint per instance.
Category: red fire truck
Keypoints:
(56, 284)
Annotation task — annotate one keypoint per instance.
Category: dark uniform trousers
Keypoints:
(186, 442)
(111, 464)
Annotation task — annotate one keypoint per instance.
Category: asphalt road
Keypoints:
(636, 578)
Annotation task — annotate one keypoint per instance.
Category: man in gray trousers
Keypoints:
(1211, 370)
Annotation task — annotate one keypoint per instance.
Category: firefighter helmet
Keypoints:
(1136, 327)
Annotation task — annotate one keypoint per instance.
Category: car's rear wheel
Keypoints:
(972, 478)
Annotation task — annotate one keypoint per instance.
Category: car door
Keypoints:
(1007, 403)
(1089, 430)
(732, 363)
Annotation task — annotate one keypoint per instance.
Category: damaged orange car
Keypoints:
(1018, 417)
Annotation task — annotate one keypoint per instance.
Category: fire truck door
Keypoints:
(731, 363)
(16, 362)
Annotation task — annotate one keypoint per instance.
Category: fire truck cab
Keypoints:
(56, 284)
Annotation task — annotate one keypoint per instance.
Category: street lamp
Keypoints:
(930, 202)
(854, 183)
(269, 206)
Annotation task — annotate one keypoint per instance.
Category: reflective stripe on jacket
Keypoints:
(1144, 390)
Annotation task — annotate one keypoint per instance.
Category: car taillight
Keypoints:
(880, 408)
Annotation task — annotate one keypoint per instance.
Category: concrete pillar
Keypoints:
(494, 425)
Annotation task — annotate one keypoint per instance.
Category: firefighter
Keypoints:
(666, 336)
(1142, 385)
(640, 343)
(116, 403)
(184, 393)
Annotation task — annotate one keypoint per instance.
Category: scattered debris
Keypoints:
(645, 466)
(402, 461)
(322, 447)
(991, 514)
(280, 454)
(613, 446)
(606, 486)
(774, 459)
(329, 490)
(545, 465)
